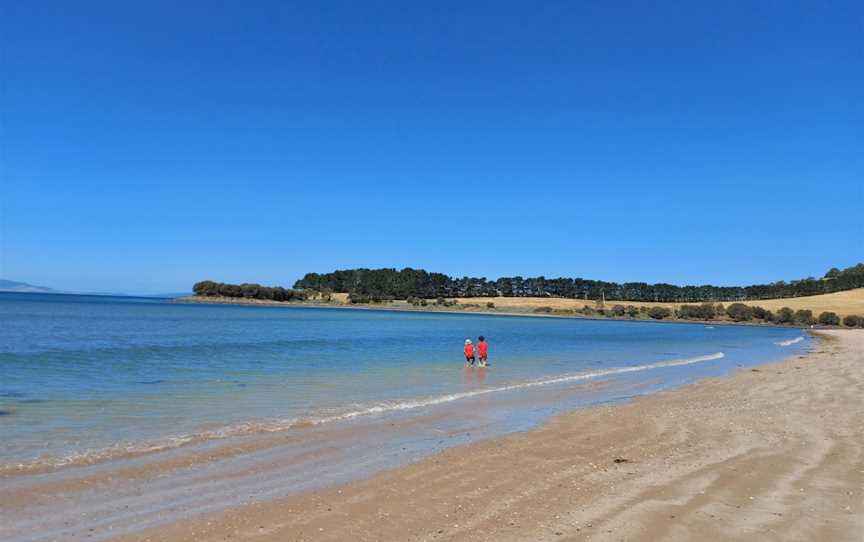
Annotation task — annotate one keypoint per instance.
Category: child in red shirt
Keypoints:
(469, 353)
(482, 350)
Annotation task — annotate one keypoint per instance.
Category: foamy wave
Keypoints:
(790, 341)
(407, 405)
(271, 426)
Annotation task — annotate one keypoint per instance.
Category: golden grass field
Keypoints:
(843, 303)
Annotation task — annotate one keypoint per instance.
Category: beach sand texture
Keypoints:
(774, 453)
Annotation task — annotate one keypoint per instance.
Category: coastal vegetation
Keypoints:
(388, 288)
(659, 313)
(736, 312)
(208, 288)
(829, 319)
(389, 284)
(706, 312)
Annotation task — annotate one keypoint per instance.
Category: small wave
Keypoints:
(790, 341)
(90, 457)
(431, 401)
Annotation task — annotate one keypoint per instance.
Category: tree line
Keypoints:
(208, 288)
(387, 284)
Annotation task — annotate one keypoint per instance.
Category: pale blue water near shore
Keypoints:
(85, 377)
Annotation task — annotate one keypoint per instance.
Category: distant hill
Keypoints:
(23, 287)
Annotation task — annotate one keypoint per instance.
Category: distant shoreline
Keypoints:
(195, 300)
(85, 294)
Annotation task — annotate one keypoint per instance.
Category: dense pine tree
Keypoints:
(396, 284)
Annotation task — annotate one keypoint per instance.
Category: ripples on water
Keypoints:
(85, 378)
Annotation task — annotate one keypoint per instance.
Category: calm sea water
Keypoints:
(83, 375)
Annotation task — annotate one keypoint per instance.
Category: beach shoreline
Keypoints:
(431, 309)
(744, 457)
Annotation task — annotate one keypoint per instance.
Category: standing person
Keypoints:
(469, 353)
(483, 350)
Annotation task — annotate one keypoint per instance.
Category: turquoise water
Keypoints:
(85, 376)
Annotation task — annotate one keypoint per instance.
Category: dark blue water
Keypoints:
(83, 374)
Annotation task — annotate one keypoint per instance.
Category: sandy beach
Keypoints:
(773, 453)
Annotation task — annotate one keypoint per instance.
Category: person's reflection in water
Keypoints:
(481, 375)
(468, 376)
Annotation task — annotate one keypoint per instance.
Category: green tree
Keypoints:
(804, 317)
(659, 313)
(709, 311)
(739, 312)
(206, 288)
(760, 313)
(829, 319)
(852, 320)
(705, 311)
(399, 284)
(247, 290)
(784, 316)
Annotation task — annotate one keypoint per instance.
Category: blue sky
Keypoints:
(149, 145)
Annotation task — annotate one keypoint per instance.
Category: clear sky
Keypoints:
(148, 145)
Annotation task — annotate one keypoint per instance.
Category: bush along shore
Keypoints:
(707, 312)
(740, 313)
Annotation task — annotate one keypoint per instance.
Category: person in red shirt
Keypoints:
(469, 353)
(483, 351)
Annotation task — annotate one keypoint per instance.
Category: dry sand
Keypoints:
(774, 453)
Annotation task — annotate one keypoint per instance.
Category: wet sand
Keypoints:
(774, 453)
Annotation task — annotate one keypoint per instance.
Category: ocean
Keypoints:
(85, 379)
(118, 414)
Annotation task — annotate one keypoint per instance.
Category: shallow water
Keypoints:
(85, 378)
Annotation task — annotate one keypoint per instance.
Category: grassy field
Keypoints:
(843, 303)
